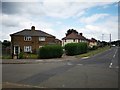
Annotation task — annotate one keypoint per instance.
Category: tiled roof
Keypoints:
(74, 36)
(29, 32)
(92, 40)
(58, 40)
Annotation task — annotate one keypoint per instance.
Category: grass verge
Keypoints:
(93, 52)
(6, 57)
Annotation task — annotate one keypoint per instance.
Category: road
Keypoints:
(99, 71)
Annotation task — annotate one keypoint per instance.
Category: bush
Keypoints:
(50, 51)
(21, 55)
(93, 48)
(75, 48)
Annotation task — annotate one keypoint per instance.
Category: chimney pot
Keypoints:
(81, 34)
(33, 28)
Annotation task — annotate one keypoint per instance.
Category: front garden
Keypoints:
(56, 51)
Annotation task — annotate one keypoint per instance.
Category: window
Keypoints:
(41, 38)
(40, 46)
(65, 40)
(73, 40)
(27, 49)
(27, 38)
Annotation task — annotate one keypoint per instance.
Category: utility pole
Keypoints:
(102, 39)
(30, 24)
(110, 40)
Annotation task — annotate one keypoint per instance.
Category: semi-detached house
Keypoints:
(30, 40)
(73, 38)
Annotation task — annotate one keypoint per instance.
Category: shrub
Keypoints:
(75, 48)
(21, 55)
(50, 51)
(93, 48)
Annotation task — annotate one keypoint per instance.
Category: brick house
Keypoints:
(30, 40)
(73, 38)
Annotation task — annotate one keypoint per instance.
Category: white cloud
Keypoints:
(93, 18)
(6, 20)
(58, 9)
(62, 9)
(60, 0)
(14, 23)
(110, 26)
(34, 14)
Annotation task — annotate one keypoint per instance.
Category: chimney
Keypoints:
(81, 34)
(33, 28)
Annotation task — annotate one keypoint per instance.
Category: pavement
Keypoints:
(34, 61)
(93, 72)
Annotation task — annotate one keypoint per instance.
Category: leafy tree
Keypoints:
(71, 31)
(6, 43)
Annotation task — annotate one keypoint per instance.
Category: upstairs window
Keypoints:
(27, 38)
(41, 38)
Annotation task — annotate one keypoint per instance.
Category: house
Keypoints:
(30, 40)
(92, 42)
(73, 36)
(58, 41)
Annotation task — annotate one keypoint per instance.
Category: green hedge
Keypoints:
(93, 48)
(76, 48)
(50, 51)
(21, 55)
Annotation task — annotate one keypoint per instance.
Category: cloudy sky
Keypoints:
(91, 18)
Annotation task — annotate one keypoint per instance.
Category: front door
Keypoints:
(16, 50)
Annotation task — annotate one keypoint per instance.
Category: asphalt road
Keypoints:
(99, 71)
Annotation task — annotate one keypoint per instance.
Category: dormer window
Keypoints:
(41, 38)
(27, 38)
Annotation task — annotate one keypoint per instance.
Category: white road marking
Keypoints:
(84, 57)
(69, 63)
(79, 64)
(110, 66)
(117, 67)
(115, 53)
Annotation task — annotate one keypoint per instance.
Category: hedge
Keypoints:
(21, 55)
(76, 48)
(50, 51)
(93, 48)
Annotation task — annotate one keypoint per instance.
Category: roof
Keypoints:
(29, 32)
(74, 36)
(92, 40)
(57, 40)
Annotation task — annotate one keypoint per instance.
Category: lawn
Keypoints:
(6, 57)
(93, 52)
(31, 56)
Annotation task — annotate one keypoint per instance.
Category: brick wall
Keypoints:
(35, 43)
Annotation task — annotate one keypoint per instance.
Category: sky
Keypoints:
(57, 16)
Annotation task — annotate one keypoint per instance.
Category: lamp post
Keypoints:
(102, 39)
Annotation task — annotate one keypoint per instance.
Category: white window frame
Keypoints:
(41, 38)
(27, 48)
(27, 38)
(40, 46)
(18, 49)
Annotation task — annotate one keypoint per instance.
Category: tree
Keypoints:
(71, 31)
(6, 43)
